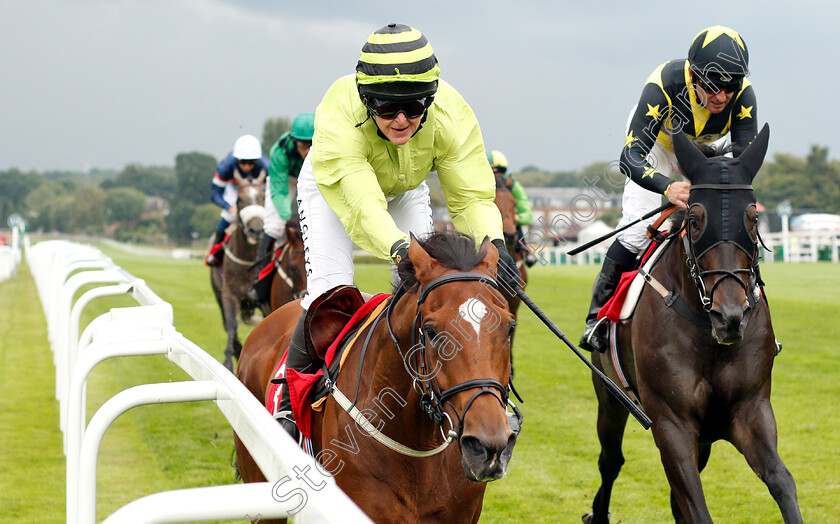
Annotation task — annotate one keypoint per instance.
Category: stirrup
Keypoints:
(778, 346)
(592, 334)
(287, 422)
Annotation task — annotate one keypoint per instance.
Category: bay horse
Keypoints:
(698, 350)
(232, 279)
(289, 281)
(433, 371)
(506, 203)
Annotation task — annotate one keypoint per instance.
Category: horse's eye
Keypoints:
(511, 329)
(430, 332)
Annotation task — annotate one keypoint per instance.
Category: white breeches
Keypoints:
(230, 196)
(328, 248)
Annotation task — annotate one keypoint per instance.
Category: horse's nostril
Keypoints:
(474, 448)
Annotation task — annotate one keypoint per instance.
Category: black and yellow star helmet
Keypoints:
(397, 63)
(718, 53)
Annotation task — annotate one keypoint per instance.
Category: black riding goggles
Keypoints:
(389, 109)
(716, 87)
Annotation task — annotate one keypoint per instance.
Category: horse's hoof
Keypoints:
(590, 517)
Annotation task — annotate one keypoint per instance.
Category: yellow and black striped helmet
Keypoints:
(397, 63)
(719, 52)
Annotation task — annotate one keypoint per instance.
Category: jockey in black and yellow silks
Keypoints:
(708, 97)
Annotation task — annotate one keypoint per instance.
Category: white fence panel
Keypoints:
(60, 270)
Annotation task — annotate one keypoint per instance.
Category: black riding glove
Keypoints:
(399, 251)
(507, 272)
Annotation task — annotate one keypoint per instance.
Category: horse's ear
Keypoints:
(491, 257)
(753, 155)
(490, 249)
(291, 234)
(690, 158)
(421, 260)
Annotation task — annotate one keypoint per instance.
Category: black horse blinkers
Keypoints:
(722, 188)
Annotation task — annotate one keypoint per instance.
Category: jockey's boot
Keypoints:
(595, 336)
(211, 260)
(298, 360)
(530, 258)
(260, 293)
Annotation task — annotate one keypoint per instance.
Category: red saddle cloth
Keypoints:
(301, 385)
(218, 251)
(612, 309)
(269, 268)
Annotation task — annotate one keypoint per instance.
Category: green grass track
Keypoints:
(553, 475)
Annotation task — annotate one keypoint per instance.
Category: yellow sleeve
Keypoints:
(345, 177)
(465, 174)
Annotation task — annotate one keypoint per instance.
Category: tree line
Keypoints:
(171, 204)
(152, 204)
(811, 183)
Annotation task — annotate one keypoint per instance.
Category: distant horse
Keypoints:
(234, 277)
(290, 279)
(699, 348)
(506, 203)
(432, 369)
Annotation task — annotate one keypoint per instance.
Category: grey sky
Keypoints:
(103, 83)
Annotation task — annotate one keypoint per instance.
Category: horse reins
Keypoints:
(285, 249)
(233, 257)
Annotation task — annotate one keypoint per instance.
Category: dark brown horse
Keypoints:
(506, 203)
(699, 351)
(290, 265)
(429, 384)
(234, 277)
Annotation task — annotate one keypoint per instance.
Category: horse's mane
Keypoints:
(676, 219)
(710, 151)
(452, 249)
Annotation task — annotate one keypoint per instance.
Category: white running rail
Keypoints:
(297, 486)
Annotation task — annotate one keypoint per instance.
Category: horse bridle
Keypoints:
(285, 249)
(697, 272)
(432, 398)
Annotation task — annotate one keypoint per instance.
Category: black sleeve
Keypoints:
(744, 125)
(651, 112)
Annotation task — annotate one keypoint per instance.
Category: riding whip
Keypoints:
(591, 243)
(634, 410)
